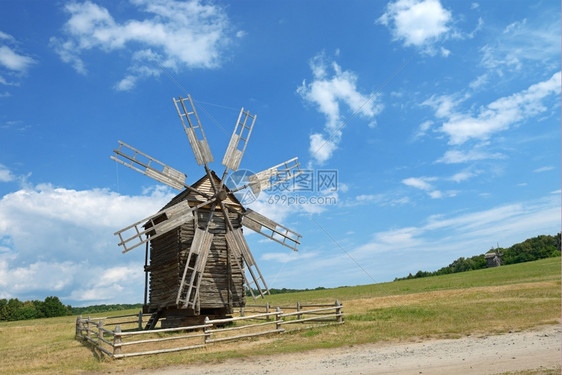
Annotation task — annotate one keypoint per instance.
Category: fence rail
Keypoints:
(127, 333)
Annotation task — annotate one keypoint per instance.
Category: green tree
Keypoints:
(3, 309)
(53, 307)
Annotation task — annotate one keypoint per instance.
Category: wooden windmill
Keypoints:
(200, 263)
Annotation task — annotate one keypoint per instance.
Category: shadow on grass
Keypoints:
(96, 353)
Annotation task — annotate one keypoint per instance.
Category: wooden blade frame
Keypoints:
(239, 140)
(277, 232)
(158, 224)
(194, 130)
(237, 243)
(273, 176)
(147, 165)
(200, 247)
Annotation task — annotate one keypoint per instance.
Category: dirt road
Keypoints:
(536, 349)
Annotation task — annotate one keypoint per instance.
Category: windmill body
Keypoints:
(197, 260)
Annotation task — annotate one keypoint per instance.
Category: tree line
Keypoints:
(104, 308)
(543, 246)
(14, 309)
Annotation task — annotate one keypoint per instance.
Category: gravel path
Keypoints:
(535, 349)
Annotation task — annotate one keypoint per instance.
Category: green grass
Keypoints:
(489, 301)
(542, 270)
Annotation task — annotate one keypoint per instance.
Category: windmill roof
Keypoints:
(204, 185)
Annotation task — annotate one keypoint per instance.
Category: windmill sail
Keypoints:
(239, 140)
(154, 226)
(271, 229)
(147, 165)
(194, 130)
(189, 289)
(237, 243)
(275, 175)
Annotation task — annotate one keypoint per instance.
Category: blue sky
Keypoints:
(440, 120)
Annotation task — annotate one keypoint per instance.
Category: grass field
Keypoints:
(509, 298)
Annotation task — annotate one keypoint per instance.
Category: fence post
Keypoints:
(79, 326)
(242, 311)
(100, 333)
(339, 316)
(267, 310)
(299, 309)
(88, 327)
(206, 329)
(117, 340)
(140, 320)
(278, 320)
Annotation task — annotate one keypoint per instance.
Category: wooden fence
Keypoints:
(123, 336)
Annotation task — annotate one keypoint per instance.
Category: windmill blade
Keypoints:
(147, 165)
(239, 140)
(237, 252)
(275, 175)
(188, 292)
(193, 129)
(239, 246)
(271, 229)
(156, 225)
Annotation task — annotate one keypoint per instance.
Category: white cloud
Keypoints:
(522, 43)
(119, 284)
(498, 115)
(544, 169)
(367, 197)
(514, 216)
(287, 256)
(463, 156)
(462, 176)
(399, 237)
(58, 240)
(515, 26)
(444, 52)
(418, 23)
(179, 35)
(423, 183)
(321, 148)
(11, 60)
(444, 105)
(13, 63)
(383, 199)
(479, 81)
(430, 243)
(464, 234)
(5, 174)
(435, 194)
(423, 128)
(39, 276)
(331, 89)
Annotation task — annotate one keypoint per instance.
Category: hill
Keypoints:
(540, 247)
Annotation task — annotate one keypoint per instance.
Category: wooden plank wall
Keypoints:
(167, 260)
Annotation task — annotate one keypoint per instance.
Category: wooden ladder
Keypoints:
(188, 292)
(188, 289)
(153, 319)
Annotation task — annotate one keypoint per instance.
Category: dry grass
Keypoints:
(509, 298)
